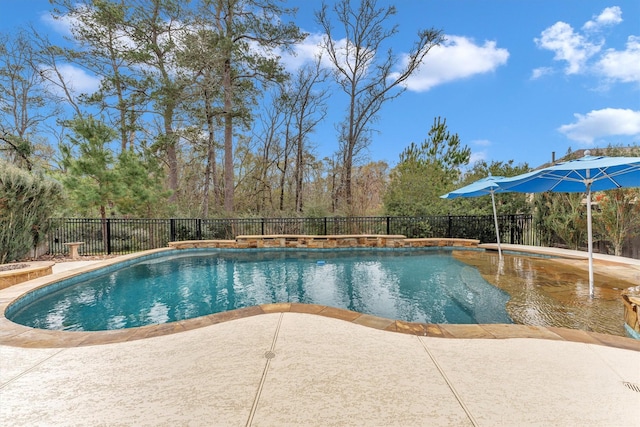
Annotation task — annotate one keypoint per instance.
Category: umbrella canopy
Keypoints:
(586, 174)
(599, 172)
(482, 187)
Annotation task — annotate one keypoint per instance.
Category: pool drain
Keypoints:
(269, 355)
(632, 386)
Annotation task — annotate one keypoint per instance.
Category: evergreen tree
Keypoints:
(425, 172)
(242, 28)
(91, 177)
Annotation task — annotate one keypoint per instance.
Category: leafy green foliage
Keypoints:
(618, 216)
(142, 193)
(26, 202)
(561, 218)
(414, 190)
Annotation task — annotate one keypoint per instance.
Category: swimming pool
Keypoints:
(419, 285)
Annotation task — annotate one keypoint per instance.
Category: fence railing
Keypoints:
(124, 235)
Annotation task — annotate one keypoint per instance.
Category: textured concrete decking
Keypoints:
(301, 369)
(284, 367)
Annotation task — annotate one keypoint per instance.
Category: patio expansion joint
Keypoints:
(613, 369)
(269, 355)
(25, 372)
(449, 384)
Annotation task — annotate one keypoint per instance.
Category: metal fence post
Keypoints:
(172, 230)
(108, 236)
(198, 229)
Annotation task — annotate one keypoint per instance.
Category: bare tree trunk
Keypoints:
(347, 169)
(172, 155)
(211, 158)
(299, 172)
(211, 164)
(228, 138)
(283, 177)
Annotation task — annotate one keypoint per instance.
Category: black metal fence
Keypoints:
(124, 235)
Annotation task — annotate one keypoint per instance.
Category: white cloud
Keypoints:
(76, 79)
(306, 52)
(568, 46)
(457, 58)
(609, 16)
(478, 156)
(602, 123)
(540, 72)
(481, 142)
(60, 25)
(309, 50)
(622, 65)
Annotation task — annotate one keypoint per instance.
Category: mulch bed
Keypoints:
(64, 258)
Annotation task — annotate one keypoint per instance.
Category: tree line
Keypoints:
(198, 94)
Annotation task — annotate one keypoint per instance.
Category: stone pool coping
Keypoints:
(12, 334)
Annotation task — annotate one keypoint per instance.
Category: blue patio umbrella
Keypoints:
(482, 187)
(586, 174)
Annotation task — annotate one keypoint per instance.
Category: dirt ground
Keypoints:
(55, 258)
(9, 267)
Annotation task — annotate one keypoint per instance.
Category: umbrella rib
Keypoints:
(562, 177)
(613, 175)
(610, 177)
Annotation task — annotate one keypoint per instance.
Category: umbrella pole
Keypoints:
(590, 240)
(495, 220)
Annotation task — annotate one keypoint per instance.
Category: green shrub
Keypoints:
(26, 202)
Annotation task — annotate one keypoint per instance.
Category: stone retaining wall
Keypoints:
(324, 242)
(33, 271)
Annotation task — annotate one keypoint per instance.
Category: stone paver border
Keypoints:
(22, 336)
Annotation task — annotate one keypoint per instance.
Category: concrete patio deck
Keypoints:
(305, 365)
(300, 369)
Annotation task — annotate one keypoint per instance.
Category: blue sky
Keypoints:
(516, 79)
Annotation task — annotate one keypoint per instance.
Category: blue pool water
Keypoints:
(416, 285)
